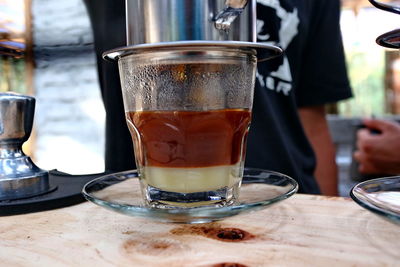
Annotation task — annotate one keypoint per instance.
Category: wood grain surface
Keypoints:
(301, 231)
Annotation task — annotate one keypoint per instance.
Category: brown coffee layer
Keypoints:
(182, 139)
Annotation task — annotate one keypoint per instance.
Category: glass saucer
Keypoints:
(381, 196)
(120, 192)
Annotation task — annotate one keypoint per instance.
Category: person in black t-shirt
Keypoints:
(288, 114)
(291, 91)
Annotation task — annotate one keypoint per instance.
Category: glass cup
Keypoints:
(189, 111)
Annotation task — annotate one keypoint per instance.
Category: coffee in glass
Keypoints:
(189, 111)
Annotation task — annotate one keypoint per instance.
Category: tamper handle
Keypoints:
(16, 117)
(19, 176)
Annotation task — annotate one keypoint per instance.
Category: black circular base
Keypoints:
(67, 192)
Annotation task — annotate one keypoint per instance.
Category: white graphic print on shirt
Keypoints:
(281, 79)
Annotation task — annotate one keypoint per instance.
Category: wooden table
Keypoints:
(304, 230)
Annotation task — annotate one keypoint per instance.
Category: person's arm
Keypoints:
(378, 153)
(317, 131)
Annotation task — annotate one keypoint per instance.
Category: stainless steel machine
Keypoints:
(154, 25)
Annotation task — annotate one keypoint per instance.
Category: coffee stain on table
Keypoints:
(153, 247)
(214, 231)
(229, 264)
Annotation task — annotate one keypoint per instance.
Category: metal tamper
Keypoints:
(19, 176)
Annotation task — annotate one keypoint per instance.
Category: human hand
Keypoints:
(378, 153)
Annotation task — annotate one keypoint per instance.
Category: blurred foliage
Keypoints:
(366, 71)
(12, 75)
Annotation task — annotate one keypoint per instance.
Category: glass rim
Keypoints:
(390, 39)
(185, 55)
(262, 51)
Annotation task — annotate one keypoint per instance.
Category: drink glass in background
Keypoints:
(188, 110)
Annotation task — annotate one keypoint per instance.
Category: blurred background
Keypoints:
(58, 67)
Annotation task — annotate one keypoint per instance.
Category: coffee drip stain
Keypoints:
(232, 234)
(214, 231)
(153, 247)
(229, 264)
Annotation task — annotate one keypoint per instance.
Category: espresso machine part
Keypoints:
(162, 25)
(24, 187)
(155, 21)
(19, 176)
(226, 17)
